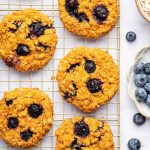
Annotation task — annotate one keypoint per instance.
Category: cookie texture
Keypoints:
(26, 116)
(27, 40)
(84, 134)
(90, 19)
(88, 78)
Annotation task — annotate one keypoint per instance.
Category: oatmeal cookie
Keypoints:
(27, 40)
(26, 116)
(88, 78)
(89, 18)
(84, 134)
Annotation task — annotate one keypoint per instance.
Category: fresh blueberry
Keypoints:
(147, 87)
(94, 85)
(140, 94)
(35, 110)
(148, 78)
(147, 68)
(148, 101)
(81, 129)
(140, 80)
(100, 13)
(134, 144)
(26, 135)
(139, 119)
(23, 50)
(130, 36)
(13, 123)
(138, 67)
(90, 66)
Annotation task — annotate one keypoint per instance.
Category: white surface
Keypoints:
(132, 20)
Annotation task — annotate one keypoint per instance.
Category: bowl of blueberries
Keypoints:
(139, 81)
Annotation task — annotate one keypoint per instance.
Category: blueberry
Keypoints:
(9, 102)
(82, 17)
(100, 13)
(81, 129)
(140, 94)
(35, 110)
(72, 67)
(26, 135)
(72, 7)
(36, 29)
(75, 145)
(147, 87)
(139, 119)
(140, 80)
(148, 78)
(90, 66)
(134, 144)
(131, 36)
(148, 101)
(147, 68)
(138, 67)
(13, 123)
(94, 85)
(23, 50)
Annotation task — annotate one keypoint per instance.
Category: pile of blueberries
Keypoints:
(142, 82)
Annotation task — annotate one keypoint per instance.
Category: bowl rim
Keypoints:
(141, 10)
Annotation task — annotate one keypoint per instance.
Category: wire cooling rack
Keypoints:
(45, 78)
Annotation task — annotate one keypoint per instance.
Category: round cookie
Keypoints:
(84, 134)
(88, 78)
(26, 116)
(89, 18)
(27, 40)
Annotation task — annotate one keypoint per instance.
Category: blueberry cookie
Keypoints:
(88, 78)
(89, 18)
(26, 116)
(27, 40)
(84, 134)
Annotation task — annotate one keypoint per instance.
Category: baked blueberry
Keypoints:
(9, 102)
(72, 7)
(90, 66)
(148, 101)
(147, 87)
(13, 123)
(140, 80)
(22, 50)
(35, 110)
(26, 135)
(140, 94)
(75, 145)
(139, 119)
(94, 85)
(134, 144)
(81, 129)
(147, 68)
(82, 17)
(131, 36)
(138, 67)
(72, 67)
(100, 13)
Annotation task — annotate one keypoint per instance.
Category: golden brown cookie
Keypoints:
(88, 78)
(26, 116)
(89, 18)
(27, 40)
(84, 134)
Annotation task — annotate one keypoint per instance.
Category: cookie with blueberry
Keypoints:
(81, 133)
(26, 116)
(90, 19)
(88, 78)
(27, 40)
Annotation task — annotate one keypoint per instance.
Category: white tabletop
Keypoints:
(131, 20)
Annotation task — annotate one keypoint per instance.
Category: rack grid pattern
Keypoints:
(45, 78)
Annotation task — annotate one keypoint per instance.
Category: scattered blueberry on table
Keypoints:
(139, 119)
(134, 144)
(131, 36)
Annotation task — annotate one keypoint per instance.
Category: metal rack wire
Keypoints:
(45, 78)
